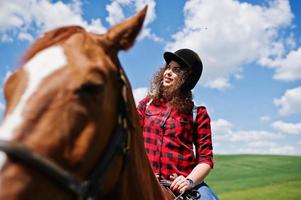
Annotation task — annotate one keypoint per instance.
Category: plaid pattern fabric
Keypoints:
(169, 137)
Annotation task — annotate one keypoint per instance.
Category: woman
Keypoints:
(170, 130)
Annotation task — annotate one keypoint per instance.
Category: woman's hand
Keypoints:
(181, 184)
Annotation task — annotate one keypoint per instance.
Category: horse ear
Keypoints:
(123, 35)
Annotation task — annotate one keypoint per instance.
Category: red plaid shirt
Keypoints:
(169, 137)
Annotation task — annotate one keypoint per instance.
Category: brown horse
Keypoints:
(70, 127)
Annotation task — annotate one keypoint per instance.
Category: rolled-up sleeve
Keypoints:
(203, 141)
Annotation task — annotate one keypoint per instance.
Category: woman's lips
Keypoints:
(168, 80)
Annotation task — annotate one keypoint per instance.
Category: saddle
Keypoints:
(187, 195)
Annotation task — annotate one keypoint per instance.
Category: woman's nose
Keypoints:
(168, 72)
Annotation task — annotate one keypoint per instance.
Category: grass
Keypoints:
(260, 177)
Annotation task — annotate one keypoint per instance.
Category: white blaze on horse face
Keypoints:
(38, 68)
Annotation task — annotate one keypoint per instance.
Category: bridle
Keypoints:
(88, 189)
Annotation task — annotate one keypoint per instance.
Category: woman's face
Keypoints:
(171, 74)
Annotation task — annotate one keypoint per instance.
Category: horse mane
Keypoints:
(50, 38)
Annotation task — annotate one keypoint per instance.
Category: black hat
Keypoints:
(190, 59)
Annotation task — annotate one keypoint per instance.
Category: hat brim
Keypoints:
(169, 56)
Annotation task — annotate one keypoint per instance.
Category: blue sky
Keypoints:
(251, 50)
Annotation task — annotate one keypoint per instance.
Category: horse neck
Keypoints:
(138, 180)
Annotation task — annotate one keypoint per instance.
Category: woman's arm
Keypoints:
(203, 140)
(197, 175)
(204, 154)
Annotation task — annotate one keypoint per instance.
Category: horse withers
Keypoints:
(70, 128)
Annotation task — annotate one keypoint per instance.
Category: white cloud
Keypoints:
(26, 17)
(288, 128)
(2, 106)
(227, 34)
(228, 140)
(290, 41)
(25, 36)
(116, 14)
(260, 144)
(288, 68)
(257, 147)
(252, 135)
(13, 14)
(146, 33)
(219, 83)
(269, 148)
(265, 118)
(7, 75)
(95, 26)
(285, 150)
(139, 94)
(5, 38)
(221, 126)
(224, 130)
(290, 102)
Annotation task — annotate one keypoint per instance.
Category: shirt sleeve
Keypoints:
(203, 141)
(141, 110)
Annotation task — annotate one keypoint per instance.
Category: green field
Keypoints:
(259, 177)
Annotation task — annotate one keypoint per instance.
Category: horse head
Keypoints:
(65, 102)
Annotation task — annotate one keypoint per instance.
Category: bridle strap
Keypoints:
(119, 144)
(88, 189)
(116, 146)
(83, 189)
(20, 153)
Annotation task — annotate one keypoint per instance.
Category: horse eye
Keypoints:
(90, 88)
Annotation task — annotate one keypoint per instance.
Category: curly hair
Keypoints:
(177, 95)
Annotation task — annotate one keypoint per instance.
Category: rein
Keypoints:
(186, 195)
(88, 189)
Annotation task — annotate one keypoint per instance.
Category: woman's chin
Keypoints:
(166, 85)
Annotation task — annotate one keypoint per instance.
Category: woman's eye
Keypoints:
(176, 70)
